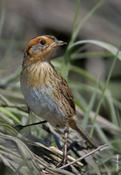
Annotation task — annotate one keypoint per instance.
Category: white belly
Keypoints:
(40, 102)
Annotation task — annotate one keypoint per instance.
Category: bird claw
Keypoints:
(62, 163)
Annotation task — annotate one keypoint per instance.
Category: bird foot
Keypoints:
(62, 163)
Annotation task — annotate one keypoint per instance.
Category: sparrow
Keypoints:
(46, 92)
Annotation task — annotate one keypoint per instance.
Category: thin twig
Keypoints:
(100, 148)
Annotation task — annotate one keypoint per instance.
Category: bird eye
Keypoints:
(42, 42)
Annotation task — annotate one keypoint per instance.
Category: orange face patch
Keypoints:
(47, 40)
(41, 49)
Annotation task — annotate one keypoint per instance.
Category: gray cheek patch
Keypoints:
(36, 48)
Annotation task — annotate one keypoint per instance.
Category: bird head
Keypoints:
(42, 48)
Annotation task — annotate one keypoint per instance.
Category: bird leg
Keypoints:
(66, 132)
(65, 146)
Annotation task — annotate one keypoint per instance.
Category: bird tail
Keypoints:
(74, 126)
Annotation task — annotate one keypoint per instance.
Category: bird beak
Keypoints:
(60, 43)
(57, 43)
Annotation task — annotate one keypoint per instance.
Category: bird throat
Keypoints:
(37, 74)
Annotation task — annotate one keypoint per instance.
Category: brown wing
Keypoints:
(67, 93)
(62, 93)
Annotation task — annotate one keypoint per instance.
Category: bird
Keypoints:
(46, 92)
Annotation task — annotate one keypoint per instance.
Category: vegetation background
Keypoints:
(91, 63)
